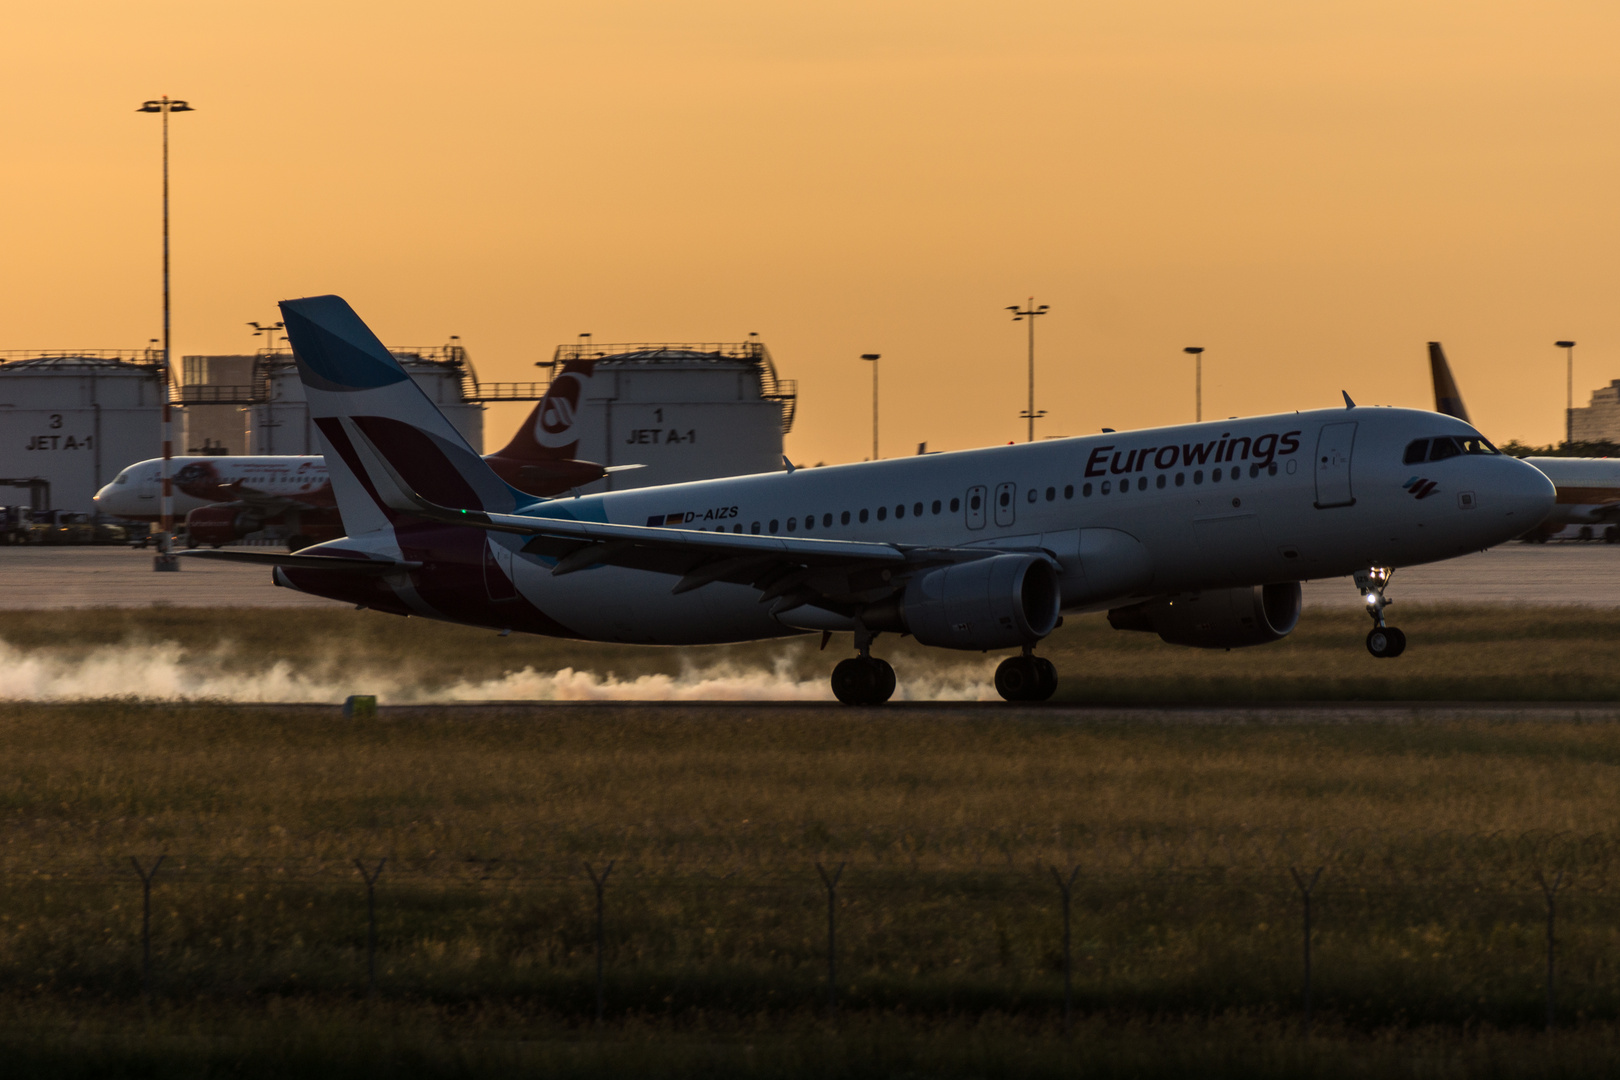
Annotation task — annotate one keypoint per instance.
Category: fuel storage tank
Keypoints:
(682, 411)
(278, 416)
(74, 419)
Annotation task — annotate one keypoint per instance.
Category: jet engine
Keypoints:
(999, 602)
(1217, 618)
(217, 525)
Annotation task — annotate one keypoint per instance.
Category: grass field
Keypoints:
(1482, 654)
(1429, 923)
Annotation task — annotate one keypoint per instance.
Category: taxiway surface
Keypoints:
(87, 577)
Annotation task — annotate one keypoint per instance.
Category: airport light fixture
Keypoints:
(1197, 353)
(268, 332)
(1569, 389)
(165, 559)
(874, 358)
(1028, 314)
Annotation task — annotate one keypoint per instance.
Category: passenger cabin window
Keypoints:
(916, 510)
(843, 519)
(956, 504)
(883, 513)
(863, 517)
(936, 507)
(1417, 452)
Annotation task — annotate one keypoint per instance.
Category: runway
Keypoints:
(33, 578)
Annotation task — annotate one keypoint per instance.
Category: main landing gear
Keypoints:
(863, 679)
(1383, 641)
(1026, 678)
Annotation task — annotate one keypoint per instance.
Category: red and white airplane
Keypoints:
(1199, 533)
(223, 499)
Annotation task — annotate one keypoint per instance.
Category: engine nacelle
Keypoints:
(1000, 602)
(1217, 618)
(217, 525)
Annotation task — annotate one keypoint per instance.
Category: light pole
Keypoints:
(1197, 353)
(874, 358)
(165, 559)
(1569, 390)
(268, 333)
(1029, 313)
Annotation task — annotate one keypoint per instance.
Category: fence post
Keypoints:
(1066, 887)
(371, 922)
(831, 881)
(1305, 886)
(146, 921)
(601, 936)
(1549, 889)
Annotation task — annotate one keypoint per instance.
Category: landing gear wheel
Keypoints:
(863, 680)
(1026, 678)
(1047, 673)
(1386, 642)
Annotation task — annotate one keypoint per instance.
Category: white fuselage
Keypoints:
(1126, 515)
(136, 492)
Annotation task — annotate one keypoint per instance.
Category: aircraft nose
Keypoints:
(1527, 496)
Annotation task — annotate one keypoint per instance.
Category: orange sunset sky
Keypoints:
(1310, 190)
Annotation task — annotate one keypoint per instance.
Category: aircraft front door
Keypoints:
(1006, 504)
(1333, 465)
(975, 507)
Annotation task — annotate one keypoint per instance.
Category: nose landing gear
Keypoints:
(1383, 641)
(863, 679)
(1026, 678)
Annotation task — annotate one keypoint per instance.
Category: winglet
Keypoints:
(1447, 398)
(790, 466)
(1347, 402)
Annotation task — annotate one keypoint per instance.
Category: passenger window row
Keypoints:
(809, 522)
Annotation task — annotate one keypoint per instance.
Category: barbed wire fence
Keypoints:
(1495, 880)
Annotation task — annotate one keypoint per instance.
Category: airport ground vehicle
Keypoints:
(1200, 533)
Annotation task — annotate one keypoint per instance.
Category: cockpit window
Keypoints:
(1442, 448)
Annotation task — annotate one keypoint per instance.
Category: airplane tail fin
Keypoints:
(549, 433)
(1447, 398)
(379, 430)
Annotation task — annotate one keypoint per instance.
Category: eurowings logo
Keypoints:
(1421, 488)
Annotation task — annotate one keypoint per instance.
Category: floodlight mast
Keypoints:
(165, 559)
(1197, 353)
(1029, 313)
(1569, 389)
(874, 358)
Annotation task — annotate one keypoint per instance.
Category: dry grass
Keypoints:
(1430, 927)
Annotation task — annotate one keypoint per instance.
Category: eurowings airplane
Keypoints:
(1200, 533)
(225, 498)
(1588, 488)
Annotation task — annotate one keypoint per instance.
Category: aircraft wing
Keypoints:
(836, 574)
(839, 575)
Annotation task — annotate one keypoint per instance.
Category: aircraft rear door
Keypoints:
(498, 575)
(1333, 465)
(975, 507)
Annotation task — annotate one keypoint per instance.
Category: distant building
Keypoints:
(1599, 421)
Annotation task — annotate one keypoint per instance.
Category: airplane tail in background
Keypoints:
(549, 433)
(1447, 398)
(377, 428)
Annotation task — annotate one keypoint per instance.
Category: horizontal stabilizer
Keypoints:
(306, 562)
